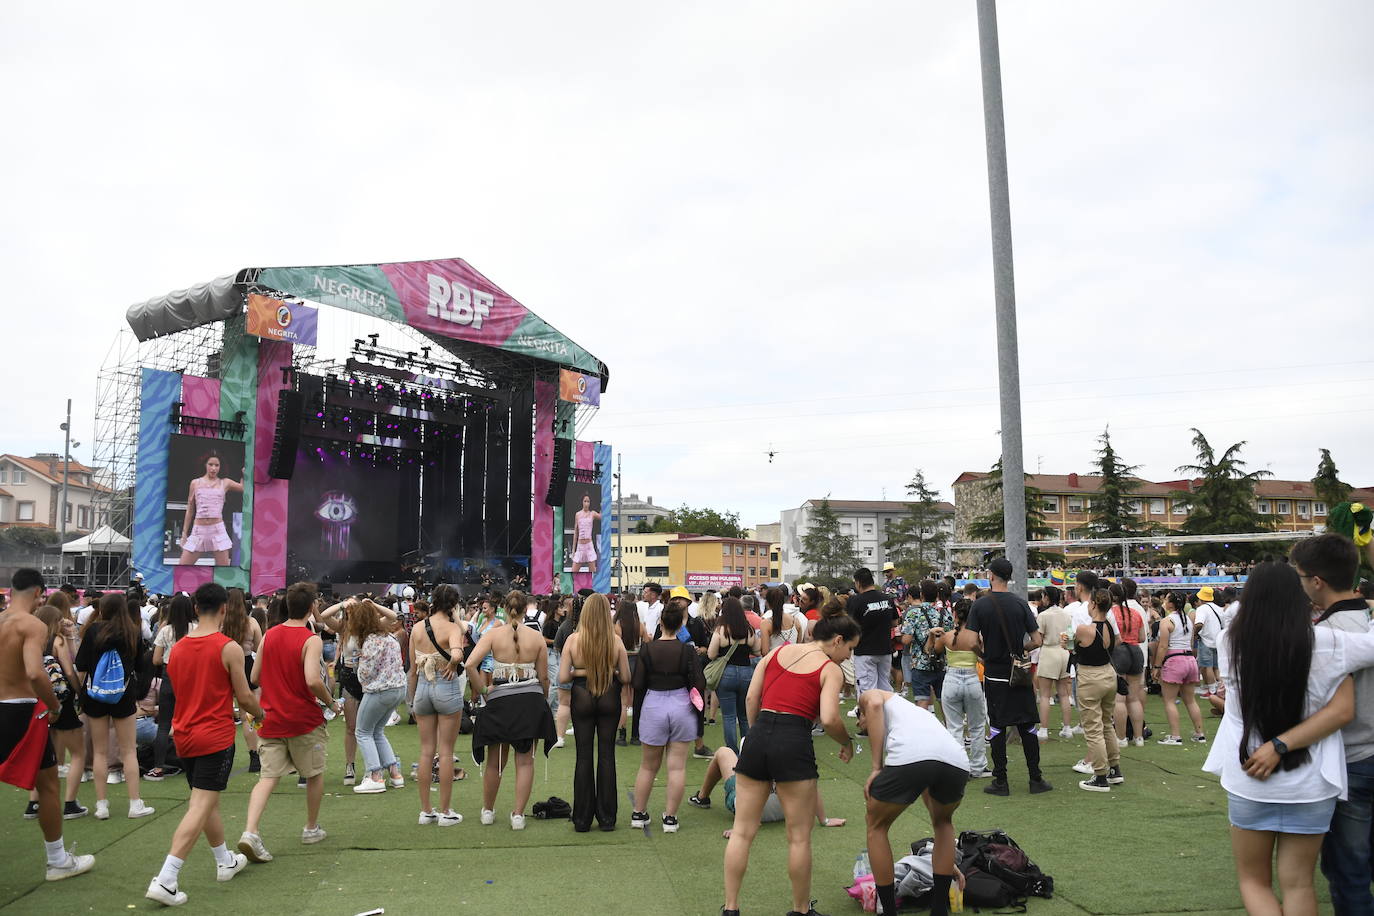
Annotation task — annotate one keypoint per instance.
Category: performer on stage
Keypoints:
(205, 505)
(584, 548)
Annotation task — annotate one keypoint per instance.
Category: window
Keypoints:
(753, 571)
(1282, 507)
(25, 513)
(1319, 508)
(1075, 505)
(740, 570)
(739, 550)
(1156, 508)
(773, 556)
(1049, 503)
(1136, 508)
(725, 549)
(751, 553)
(868, 529)
(1263, 507)
(868, 552)
(67, 513)
(4, 473)
(1179, 507)
(773, 573)
(1304, 509)
(656, 572)
(20, 476)
(658, 551)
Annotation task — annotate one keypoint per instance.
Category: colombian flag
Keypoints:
(1056, 577)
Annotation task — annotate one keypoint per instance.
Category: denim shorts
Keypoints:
(1278, 817)
(440, 698)
(1206, 658)
(926, 684)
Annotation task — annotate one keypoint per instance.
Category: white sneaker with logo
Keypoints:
(138, 809)
(102, 809)
(517, 821)
(1084, 767)
(488, 817)
(450, 818)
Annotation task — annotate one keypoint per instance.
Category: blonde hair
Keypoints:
(235, 624)
(53, 616)
(596, 644)
(708, 605)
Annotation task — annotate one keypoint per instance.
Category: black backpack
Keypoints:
(554, 808)
(995, 853)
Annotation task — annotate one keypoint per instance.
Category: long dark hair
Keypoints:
(732, 619)
(1270, 644)
(627, 621)
(120, 626)
(1180, 603)
(181, 615)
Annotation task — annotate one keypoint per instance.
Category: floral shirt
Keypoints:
(896, 588)
(917, 622)
(379, 664)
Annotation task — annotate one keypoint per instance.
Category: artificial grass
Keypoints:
(1158, 844)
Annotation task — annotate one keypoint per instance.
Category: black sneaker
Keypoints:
(1114, 776)
(811, 911)
(670, 824)
(1039, 787)
(73, 809)
(1096, 784)
(703, 752)
(254, 762)
(725, 912)
(620, 738)
(639, 820)
(696, 801)
(31, 811)
(634, 742)
(998, 787)
(300, 782)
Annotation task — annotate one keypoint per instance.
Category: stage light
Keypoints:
(319, 415)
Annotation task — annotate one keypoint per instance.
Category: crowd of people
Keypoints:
(129, 688)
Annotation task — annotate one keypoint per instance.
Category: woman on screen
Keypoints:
(205, 506)
(584, 549)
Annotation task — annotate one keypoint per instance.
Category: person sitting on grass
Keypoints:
(914, 756)
(721, 769)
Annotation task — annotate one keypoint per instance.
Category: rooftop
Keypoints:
(875, 505)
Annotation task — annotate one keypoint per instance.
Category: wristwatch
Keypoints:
(1279, 746)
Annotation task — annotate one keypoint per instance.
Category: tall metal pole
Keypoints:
(619, 530)
(66, 470)
(1008, 362)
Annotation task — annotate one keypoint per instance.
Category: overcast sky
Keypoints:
(769, 219)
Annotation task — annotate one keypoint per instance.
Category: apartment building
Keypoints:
(31, 493)
(634, 511)
(697, 561)
(865, 520)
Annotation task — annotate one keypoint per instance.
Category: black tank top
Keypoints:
(1095, 653)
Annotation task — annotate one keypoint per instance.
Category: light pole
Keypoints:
(619, 531)
(66, 472)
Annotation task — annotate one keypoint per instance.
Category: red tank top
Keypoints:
(789, 692)
(288, 706)
(1128, 623)
(204, 719)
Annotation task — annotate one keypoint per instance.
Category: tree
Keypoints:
(1110, 514)
(992, 527)
(827, 551)
(688, 520)
(915, 541)
(643, 527)
(1223, 502)
(1328, 485)
(17, 538)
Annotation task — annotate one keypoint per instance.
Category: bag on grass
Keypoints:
(552, 809)
(997, 854)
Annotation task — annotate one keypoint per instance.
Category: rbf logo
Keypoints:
(449, 301)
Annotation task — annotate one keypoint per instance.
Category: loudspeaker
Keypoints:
(558, 476)
(286, 439)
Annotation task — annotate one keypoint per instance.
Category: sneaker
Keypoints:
(31, 811)
(230, 872)
(350, 776)
(670, 824)
(1083, 767)
(560, 742)
(639, 820)
(62, 769)
(634, 742)
(620, 740)
(1138, 742)
(1096, 784)
(1040, 787)
(853, 713)
(488, 817)
(397, 782)
(569, 731)
(167, 896)
(1171, 740)
(984, 773)
(450, 818)
(818, 731)
(1066, 732)
(696, 801)
(810, 911)
(312, 835)
(1078, 730)
(300, 782)
(1043, 734)
(394, 719)
(73, 809)
(138, 809)
(87, 776)
(427, 818)
(998, 787)
(517, 821)
(1199, 738)
(369, 786)
(114, 777)
(102, 809)
(1114, 776)
(254, 762)
(703, 752)
(154, 775)
(76, 865)
(250, 844)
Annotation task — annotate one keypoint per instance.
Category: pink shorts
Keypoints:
(208, 539)
(1179, 669)
(586, 553)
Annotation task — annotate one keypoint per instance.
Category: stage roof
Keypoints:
(448, 300)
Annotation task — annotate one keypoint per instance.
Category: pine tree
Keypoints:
(1110, 515)
(1223, 502)
(1328, 485)
(915, 541)
(827, 551)
(992, 527)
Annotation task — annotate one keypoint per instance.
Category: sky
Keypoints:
(769, 219)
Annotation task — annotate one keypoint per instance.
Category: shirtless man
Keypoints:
(23, 683)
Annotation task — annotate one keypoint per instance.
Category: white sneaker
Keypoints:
(350, 776)
(1066, 732)
(984, 773)
(395, 719)
(102, 809)
(250, 844)
(1043, 734)
(87, 776)
(488, 817)
(450, 818)
(1078, 729)
(76, 865)
(569, 731)
(853, 713)
(427, 818)
(1083, 767)
(1171, 741)
(138, 809)
(312, 835)
(369, 786)
(167, 896)
(517, 822)
(559, 743)
(114, 777)
(62, 771)
(1138, 742)
(397, 782)
(228, 872)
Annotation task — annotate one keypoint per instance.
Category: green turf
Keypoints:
(1158, 844)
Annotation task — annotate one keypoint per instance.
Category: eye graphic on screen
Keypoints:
(337, 511)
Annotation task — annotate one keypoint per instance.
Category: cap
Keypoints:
(1001, 568)
(408, 592)
(889, 567)
(1205, 593)
(679, 592)
(804, 587)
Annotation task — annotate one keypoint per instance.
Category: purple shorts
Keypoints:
(667, 716)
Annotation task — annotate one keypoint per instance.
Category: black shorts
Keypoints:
(904, 783)
(209, 771)
(348, 680)
(15, 719)
(778, 749)
(68, 719)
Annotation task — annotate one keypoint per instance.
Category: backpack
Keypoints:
(60, 687)
(554, 808)
(997, 854)
(108, 681)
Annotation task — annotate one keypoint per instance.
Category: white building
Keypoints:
(635, 510)
(865, 520)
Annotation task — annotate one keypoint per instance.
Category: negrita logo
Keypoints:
(449, 301)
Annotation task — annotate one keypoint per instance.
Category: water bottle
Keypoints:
(861, 866)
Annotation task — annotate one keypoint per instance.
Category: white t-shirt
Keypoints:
(913, 734)
(649, 614)
(1210, 623)
(1335, 653)
(85, 614)
(1081, 616)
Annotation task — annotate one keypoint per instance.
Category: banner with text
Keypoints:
(712, 580)
(577, 388)
(289, 322)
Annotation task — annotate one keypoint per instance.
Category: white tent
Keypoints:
(103, 540)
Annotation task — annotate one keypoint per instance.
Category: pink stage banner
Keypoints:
(542, 535)
(269, 494)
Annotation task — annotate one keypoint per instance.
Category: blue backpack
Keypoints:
(108, 682)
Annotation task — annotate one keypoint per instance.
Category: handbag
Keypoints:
(715, 668)
(1020, 662)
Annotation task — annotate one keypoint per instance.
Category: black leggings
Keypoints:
(166, 706)
(594, 720)
(1030, 744)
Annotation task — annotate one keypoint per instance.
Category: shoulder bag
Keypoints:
(715, 668)
(1020, 662)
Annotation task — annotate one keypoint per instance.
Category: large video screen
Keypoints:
(343, 511)
(204, 518)
(581, 527)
